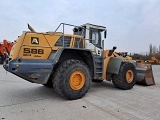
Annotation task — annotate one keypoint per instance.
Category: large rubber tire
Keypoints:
(65, 76)
(121, 80)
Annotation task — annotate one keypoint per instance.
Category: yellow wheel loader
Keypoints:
(70, 62)
(153, 60)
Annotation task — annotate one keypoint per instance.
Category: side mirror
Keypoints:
(105, 34)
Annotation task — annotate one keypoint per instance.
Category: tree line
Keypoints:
(154, 49)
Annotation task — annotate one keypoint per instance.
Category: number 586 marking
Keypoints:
(33, 51)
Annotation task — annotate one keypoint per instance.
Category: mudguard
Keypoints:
(114, 65)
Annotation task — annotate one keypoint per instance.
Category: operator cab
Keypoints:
(94, 34)
(94, 37)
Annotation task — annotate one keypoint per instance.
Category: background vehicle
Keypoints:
(153, 60)
(69, 62)
(5, 48)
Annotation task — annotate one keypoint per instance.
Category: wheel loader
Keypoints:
(70, 62)
(153, 60)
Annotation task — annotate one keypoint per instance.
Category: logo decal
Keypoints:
(35, 40)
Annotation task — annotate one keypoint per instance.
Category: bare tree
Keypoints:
(154, 49)
(150, 49)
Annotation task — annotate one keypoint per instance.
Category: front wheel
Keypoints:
(126, 77)
(72, 79)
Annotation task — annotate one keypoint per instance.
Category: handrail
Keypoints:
(63, 25)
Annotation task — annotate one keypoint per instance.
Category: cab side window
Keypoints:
(95, 38)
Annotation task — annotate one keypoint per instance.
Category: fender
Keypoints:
(57, 54)
(114, 65)
(63, 54)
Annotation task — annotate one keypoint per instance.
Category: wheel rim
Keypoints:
(129, 76)
(77, 80)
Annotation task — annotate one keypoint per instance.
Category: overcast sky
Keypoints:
(132, 24)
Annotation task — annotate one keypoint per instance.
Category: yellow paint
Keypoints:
(73, 41)
(16, 47)
(129, 76)
(106, 61)
(77, 80)
(42, 50)
(105, 64)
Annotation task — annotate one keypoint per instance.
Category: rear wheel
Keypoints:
(72, 79)
(126, 77)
